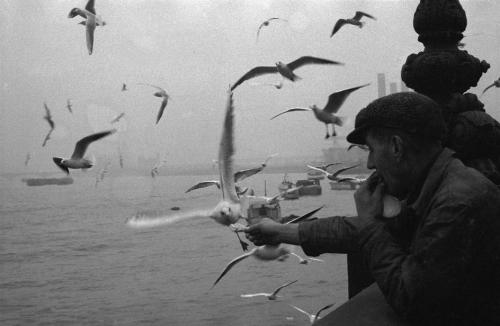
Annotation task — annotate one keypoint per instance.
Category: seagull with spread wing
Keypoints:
(315, 317)
(117, 118)
(69, 106)
(270, 296)
(356, 20)
(91, 21)
(285, 70)
(48, 118)
(332, 176)
(238, 176)
(327, 114)
(77, 159)
(496, 83)
(266, 23)
(163, 94)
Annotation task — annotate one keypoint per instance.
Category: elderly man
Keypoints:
(438, 261)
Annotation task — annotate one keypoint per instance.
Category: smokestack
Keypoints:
(393, 88)
(381, 84)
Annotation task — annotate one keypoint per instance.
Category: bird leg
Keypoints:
(334, 133)
(243, 244)
(327, 134)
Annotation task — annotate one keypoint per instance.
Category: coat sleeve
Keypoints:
(336, 234)
(422, 281)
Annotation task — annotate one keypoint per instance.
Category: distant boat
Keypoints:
(48, 181)
(285, 185)
(309, 187)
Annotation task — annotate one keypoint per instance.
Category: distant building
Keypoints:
(381, 84)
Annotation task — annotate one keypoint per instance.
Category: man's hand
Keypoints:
(368, 198)
(269, 232)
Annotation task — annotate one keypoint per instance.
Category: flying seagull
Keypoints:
(238, 176)
(496, 83)
(117, 118)
(77, 161)
(285, 70)
(155, 170)
(124, 87)
(266, 253)
(313, 318)
(270, 296)
(228, 211)
(69, 106)
(327, 114)
(90, 22)
(356, 20)
(163, 94)
(332, 176)
(266, 23)
(52, 125)
(28, 158)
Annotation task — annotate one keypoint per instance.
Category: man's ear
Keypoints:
(397, 147)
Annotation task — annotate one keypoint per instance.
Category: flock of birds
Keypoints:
(230, 209)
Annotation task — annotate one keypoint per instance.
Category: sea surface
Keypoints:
(68, 258)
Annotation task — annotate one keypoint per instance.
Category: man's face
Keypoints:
(384, 159)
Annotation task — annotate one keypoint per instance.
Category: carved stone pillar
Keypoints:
(444, 72)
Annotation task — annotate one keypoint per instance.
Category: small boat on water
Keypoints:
(309, 187)
(285, 185)
(48, 181)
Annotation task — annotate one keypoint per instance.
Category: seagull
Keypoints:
(332, 176)
(362, 147)
(305, 261)
(124, 87)
(496, 83)
(163, 94)
(52, 125)
(77, 161)
(117, 118)
(28, 158)
(155, 170)
(356, 20)
(326, 166)
(327, 114)
(69, 106)
(271, 296)
(228, 210)
(265, 252)
(266, 23)
(285, 70)
(238, 176)
(313, 318)
(91, 21)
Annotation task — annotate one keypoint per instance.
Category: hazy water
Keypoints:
(67, 257)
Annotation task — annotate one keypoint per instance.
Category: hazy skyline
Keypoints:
(194, 49)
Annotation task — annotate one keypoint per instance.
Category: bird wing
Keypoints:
(487, 88)
(231, 264)
(162, 108)
(302, 311)
(339, 171)
(291, 110)
(82, 144)
(360, 14)
(335, 100)
(305, 216)
(251, 295)
(338, 25)
(90, 6)
(157, 87)
(306, 60)
(331, 164)
(243, 174)
(226, 152)
(347, 179)
(318, 169)
(324, 308)
(284, 285)
(204, 184)
(254, 72)
(48, 116)
(57, 161)
(90, 28)
(47, 137)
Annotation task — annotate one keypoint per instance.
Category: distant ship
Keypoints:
(285, 185)
(309, 187)
(48, 181)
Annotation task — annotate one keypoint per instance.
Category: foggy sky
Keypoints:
(195, 49)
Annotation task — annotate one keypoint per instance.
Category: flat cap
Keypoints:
(411, 112)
